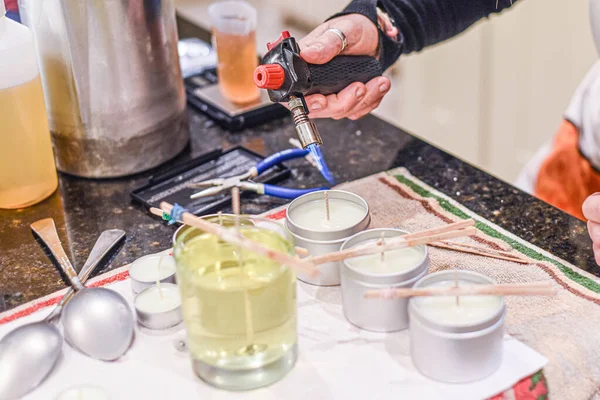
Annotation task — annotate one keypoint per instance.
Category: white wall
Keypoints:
(490, 96)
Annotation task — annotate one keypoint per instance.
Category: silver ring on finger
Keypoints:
(341, 35)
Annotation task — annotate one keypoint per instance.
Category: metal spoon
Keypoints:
(97, 321)
(29, 353)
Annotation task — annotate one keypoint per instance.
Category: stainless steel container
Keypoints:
(456, 353)
(317, 242)
(159, 320)
(379, 315)
(112, 83)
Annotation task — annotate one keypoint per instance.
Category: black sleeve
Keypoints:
(423, 22)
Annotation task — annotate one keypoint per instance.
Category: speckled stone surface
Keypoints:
(83, 208)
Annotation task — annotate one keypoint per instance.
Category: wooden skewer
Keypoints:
(302, 252)
(391, 244)
(235, 201)
(485, 252)
(441, 229)
(526, 289)
(233, 237)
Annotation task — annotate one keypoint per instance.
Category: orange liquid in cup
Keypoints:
(237, 62)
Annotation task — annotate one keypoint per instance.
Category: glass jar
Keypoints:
(239, 308)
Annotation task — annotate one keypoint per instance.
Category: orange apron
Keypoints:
(565, 178)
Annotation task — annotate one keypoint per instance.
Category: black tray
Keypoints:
(171, 187)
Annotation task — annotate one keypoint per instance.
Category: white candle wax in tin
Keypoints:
(83, 393)
(152, 268)
(446, 310)
(342, 214)
(155, 300)
(393, 261)
(456, 343)
(306, 219)
(159, 306)
(399, 269)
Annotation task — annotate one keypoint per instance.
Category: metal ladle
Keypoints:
(29, 353)
(97, 321)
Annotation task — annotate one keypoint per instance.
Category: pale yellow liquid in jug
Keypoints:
(27, 170)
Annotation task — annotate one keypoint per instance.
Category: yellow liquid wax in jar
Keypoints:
(239, 308)
(27, 170)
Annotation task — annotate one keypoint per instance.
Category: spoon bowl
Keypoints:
(27, 355)
(98, 322)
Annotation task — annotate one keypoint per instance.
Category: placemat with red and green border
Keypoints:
(561, 328)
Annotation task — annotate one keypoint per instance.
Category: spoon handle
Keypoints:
(107, 240)
(46, 230)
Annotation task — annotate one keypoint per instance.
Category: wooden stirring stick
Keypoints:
(391, 244)
(301, 251)
(525, 289)
(231, 236)
(441, 229)
(480, 251)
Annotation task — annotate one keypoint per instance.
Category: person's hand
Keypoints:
(591, 210)
(320, 46)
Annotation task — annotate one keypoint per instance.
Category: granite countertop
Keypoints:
(83, 208)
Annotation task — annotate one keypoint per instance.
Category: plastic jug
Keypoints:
(27, 170)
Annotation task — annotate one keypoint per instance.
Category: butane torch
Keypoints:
(288, 78)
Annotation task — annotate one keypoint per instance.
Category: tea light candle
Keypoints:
(145, 271)
(83, 393)
(307, 220)
(342, 214)
(159, 306)
(456, 342)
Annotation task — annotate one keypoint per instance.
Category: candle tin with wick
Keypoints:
(144, 272)
(155, 312)
(456, 344)
(318, 241)
(380, 315)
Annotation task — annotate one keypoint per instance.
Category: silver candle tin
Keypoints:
(319, 243)
(379, 315)
(456, 353)
(159, 320)
(137, 285)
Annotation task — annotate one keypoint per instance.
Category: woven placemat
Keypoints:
(561, 328)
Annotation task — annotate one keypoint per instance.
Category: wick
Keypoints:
(220, 214)
(235, 205)
(456, 286)
(327, 205)
(160, 260)
(381, 243)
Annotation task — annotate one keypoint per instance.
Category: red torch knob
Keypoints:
(269, 76)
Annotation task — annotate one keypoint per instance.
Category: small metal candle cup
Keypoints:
(161, 317)
(456, 347)
(379, 315)
(318, 241)
(144, 271)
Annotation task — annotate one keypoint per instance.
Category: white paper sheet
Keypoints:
(337, 361)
